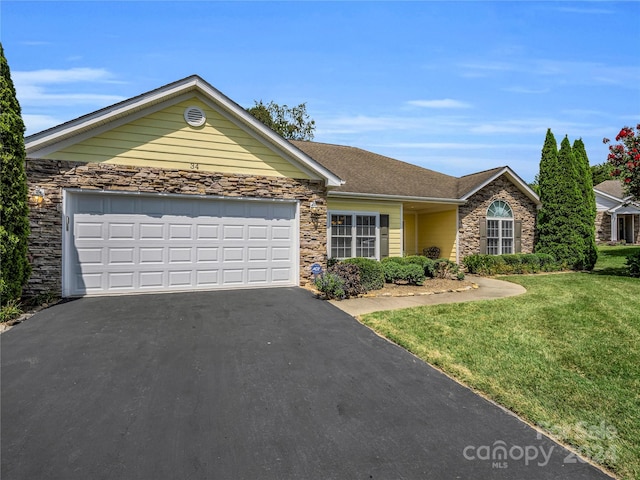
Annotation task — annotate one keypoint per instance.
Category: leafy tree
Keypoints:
(588, 204)
(293, 123)
(559, 224)
(625, 158)
(14, 211)
(601, 172)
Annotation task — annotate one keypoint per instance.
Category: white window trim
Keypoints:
(353, 234)
(500, 220)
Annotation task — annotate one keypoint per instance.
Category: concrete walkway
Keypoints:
(488, 289)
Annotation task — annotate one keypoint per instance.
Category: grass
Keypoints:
(10, 311)
(612, 259)
(565, 355)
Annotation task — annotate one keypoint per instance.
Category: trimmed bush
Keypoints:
(511, 263)
(371, 272)
(404, 270)
(633, 262)
(426, 263)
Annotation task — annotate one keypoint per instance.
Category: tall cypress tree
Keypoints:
(559, 219)
(545, 232)
(585, 184)
(14, 211)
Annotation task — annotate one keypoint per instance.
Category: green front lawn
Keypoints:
(565, 355)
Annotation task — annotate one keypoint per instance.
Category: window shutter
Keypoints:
(517, 236)
(384, 236)
(483, 235)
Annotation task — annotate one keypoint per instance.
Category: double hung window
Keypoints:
(353, 235)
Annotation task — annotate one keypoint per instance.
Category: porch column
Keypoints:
(614, 227)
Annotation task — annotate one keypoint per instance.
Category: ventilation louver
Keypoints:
(194, 116)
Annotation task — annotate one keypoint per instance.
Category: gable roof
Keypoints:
(83, 127)
(369, 174)
(612, 188)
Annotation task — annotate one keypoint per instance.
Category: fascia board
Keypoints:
(106, 116)
(47, 141)
(400, 198)
(521, 184)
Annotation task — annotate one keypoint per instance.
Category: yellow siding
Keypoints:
(163, 139)
(410, 245)
(439, 230)
(393, 209)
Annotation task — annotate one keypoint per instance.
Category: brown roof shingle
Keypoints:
(368, 172)
(611, 187)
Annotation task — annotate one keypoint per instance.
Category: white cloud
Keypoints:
(34, 88)
(51, 76)
(443, 103)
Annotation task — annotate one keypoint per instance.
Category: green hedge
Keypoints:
(371, 272)
(428, 265)
(510, 264)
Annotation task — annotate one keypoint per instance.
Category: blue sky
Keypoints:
(454, 86)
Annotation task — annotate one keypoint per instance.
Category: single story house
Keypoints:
(618, 216)
(181, 189)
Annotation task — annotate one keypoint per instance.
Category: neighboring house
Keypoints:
(618, 216)
(181, 189)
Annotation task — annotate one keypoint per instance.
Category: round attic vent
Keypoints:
(194, 116)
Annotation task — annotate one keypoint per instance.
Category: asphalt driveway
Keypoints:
(258, 384)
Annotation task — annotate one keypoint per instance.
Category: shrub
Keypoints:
(331, 285)
(432, 253)
(633, 262)
(371, 272)
(511, 263)
(350, 275)
(399, 270)
(332, 261)
(445, 268)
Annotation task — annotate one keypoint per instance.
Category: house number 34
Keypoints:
(195, 166)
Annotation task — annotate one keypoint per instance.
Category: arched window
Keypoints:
(499, 232)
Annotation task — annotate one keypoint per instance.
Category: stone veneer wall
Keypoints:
(45, 242)
(603, 227)
(476, 208)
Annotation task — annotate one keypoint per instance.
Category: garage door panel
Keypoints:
(207, 232)
(90, 256)
(207, 254)
(179, 232)
(120, 280)
(257, 275)
(207, 278)
(232, 277)
(151, 255)
(151, 280)
(120, 256)
(257, 254)
(151, 231)
(280, 275)
(180, 255)
(127, 243)
(88, 230)
(233, 254)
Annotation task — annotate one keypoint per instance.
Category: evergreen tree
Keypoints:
(588, 215)
(14, 211)
(547, 192)
(559, 223)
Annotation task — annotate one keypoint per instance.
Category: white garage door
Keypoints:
(117, 243)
